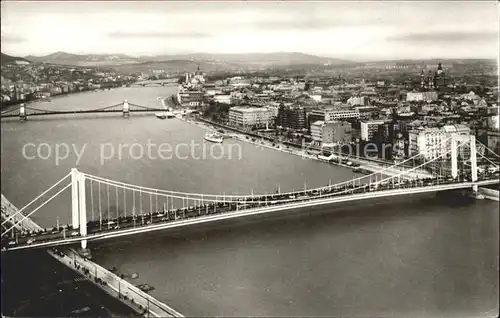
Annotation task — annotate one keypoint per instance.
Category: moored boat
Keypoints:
(214, 137)
(161, 115)
(164, 115)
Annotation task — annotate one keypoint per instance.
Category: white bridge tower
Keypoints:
(79, 204)
(126, 110)
(22, 112)
(473, 156)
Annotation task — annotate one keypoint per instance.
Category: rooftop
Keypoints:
(249, 109)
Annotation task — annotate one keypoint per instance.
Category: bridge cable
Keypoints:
(124, 202)
(38, 197)
(100, 206)
(117, 207)
(494, 153)
(432, 160)
(109, 209)
(245, 196)
(92, 199)
(29, 214)
(133, 206)
(349, 190)
(484, 157)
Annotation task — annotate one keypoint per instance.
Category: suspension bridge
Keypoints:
(103, 208)
(125, 108)
(156, 83)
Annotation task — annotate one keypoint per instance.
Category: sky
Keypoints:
(365, 30)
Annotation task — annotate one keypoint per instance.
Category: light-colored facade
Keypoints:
(354, 101)
(317, 131)
(190, 98)
(421, 96)
(250, 116)
(223, 98)
(340, 114)
(369, 128)
(337, 132)
(434, 142)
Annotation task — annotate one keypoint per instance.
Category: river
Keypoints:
(419, 255)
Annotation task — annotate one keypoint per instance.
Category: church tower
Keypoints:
(430, 80)
(440, 76)
(439, 69)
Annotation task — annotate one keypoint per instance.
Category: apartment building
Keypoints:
(293, 117)
(317, 132)
(370, 128)
(337, 132)
(250, 116)
(433, 142)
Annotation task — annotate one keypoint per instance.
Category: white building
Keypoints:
(433, 142)
(369, 128)
(223, 98)
(421, 96)
(213, 91)
(250, 116)
(317, 131)
(340, 114)
(316, 97)
(356, 101)
(336, 132)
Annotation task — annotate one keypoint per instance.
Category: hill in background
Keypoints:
(8, 59)
(174, 62)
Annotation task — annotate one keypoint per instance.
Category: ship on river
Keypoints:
(214, 137)
(164, 115)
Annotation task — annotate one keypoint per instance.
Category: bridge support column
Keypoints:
(473, 158)
(22, 112)
(454, 163)
(473, 162)
(126, 110)
(83, 209)
(75, 221)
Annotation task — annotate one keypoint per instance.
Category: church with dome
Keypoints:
(433, 81)
(195, 79)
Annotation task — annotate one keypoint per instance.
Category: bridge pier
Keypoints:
(126, 110)
(22, 113)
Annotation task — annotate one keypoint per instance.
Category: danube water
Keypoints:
(420, 255)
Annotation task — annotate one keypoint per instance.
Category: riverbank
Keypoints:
(260, 141)
(52, 290)
(7, 106)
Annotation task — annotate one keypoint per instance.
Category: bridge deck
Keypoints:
(209, 213)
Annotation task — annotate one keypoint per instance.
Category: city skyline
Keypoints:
(355, 31)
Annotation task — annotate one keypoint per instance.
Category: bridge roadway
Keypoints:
(75, 112)
(140, 223)
(113, 285)
(162, 82)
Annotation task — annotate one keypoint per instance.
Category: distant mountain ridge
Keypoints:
(8, 59)
(276, 59)
(433, 61)
(255, 58)
(217, 61)
(84, 59)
